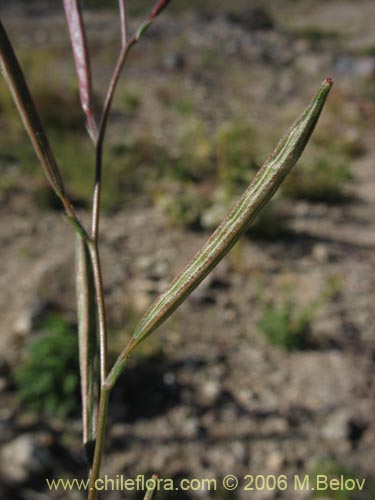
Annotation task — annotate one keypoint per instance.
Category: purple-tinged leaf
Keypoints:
(81, 60)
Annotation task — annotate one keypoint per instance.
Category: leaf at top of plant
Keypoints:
(81, 60)
(17, 85)
(158, 8)
(87, 344)
(256, 196)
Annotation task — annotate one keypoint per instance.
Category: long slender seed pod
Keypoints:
(257, 194)
(16, 83)
(78, 40)
(88, 344)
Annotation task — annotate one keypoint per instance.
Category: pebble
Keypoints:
(25, 457)
(337, 425)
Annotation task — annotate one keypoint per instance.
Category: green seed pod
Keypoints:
(258, 193)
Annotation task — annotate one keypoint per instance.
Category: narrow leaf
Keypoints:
(142, 30)
(158, 9)
(257, 194)
(82, 63)
(88, 348)
(17, 85)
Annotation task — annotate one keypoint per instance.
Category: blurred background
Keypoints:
(269, 367)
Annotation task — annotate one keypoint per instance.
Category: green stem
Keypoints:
(98, 283)
(100, 439)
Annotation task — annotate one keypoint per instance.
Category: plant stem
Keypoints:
(98, 283)
(106, 386)
(150, 492)
(124, 22)
(99, 144)
(100, 438)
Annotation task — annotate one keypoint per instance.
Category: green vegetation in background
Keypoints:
(183, 106)
(316, 34)
(331, 468)
(236, 153)
(322, 179)
(64, 123)
(142, 7)
(194, 158)
(211, 169)
(185, 207)
(47, 380)
(131, 102)
(210, 174)
(325, 175)
(286, 326)
(369, 51)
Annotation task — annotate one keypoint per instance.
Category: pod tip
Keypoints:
(329, 80)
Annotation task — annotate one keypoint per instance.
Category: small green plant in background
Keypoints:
(324, 177)
(316, 34)
(131, 102)
(209, 175)
(185, 207)
(47, 380)
(333, 469)
(285, 325)
(194, 159)
(97, 377)
(321, 180)
(236, 156)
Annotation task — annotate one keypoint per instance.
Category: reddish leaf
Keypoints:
(81, 59)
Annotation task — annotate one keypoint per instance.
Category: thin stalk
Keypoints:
(99, 145)
(96, 216)
(124, 22)
(127, 44)
(150, 492)
(94, 252)
(99, 293)
(100, 439)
